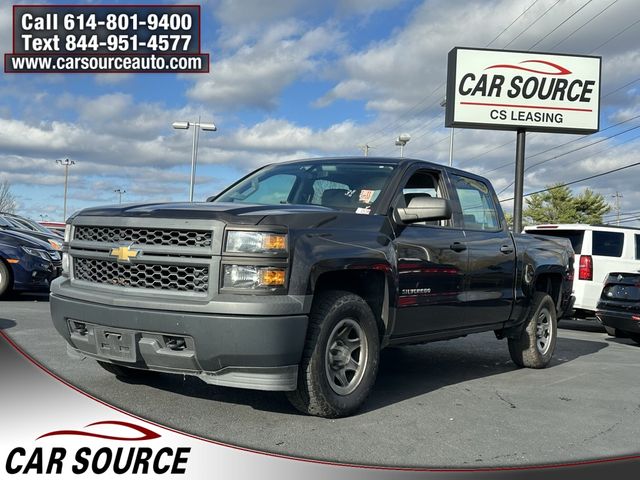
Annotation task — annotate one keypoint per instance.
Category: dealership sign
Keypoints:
(530, 91)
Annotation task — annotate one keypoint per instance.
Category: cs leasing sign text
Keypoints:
(510, 90)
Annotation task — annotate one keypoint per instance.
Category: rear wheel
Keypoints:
(340, 360)
(535, 346)
(5, 279)
(123, 372)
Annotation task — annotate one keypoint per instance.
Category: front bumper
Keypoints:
(34, 274)
(246, 351)
(619, 320)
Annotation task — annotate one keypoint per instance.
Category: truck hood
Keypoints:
(229, 212)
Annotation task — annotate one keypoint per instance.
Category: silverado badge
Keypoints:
(124, 253)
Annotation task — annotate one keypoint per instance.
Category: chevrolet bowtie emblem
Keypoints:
(124, 254)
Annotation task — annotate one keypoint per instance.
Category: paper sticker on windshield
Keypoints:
(366, 196)
(363, 211)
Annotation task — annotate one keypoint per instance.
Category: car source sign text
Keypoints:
(510, 90)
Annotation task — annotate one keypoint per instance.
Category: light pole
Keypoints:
(401, 141)
(120, 192)
(365, 149)
(443, 104)
(66, 163)
(197, 126)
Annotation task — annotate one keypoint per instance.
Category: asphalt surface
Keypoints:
(458, 403)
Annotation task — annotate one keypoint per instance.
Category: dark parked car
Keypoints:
(26, 263)
(9, 221)
(619, 305)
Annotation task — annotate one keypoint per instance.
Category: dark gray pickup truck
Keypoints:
(297, 275)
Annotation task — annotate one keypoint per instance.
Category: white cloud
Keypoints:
(256, 74)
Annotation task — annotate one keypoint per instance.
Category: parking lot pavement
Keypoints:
(455, 403)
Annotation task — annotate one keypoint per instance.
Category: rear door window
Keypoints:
(575, 237)
(637, 247)
(607, 244)
(478, 209)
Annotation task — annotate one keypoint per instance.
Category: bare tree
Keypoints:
(7, 200)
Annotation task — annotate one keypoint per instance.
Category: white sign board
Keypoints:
(532, 91)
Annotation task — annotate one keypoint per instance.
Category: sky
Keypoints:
(294, 79)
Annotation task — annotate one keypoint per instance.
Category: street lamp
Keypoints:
(66, 163)
(401, 141)
(197, 126)
(120, 192)
(443, 104)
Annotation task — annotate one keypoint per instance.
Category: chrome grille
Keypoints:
(145, 236)
(142, 275)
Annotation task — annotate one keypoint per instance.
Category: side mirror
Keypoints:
(421, 209)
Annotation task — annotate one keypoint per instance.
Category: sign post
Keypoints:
(522, 91)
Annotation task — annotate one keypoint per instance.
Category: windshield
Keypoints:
(353, 187)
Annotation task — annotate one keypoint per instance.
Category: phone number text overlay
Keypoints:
(106, 38)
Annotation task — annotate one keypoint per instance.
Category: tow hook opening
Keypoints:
(175, 343)
(79, 328)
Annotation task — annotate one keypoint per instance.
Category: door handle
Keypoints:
(458, 247)
(506, 249)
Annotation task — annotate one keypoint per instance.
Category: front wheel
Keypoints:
(535, 346)
(340, 361)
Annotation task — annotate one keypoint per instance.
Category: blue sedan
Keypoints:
(26, 263)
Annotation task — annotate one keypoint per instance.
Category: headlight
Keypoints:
(65, 264)
(256, 242)
(252, 277)
(36, 252)
(54, 244)
(67, 232)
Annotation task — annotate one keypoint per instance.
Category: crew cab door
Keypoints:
(489, 291)
(432, 262)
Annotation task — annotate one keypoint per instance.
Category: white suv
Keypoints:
(599, 250)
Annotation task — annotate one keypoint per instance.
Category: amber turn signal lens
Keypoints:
(273, 241)
(272, 277)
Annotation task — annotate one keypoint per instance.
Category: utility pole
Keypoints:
(66, 163)
(120, 192)
(617, 196)
(365, 148)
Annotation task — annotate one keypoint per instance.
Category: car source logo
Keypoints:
(124, 253)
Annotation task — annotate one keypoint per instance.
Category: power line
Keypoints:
(585, 24)
(576, 150)
(511, 24)
(615, 36)
(561, 145)
(635, 219)
(532, 24)
(561, 23)
(394, 124)
(591, 177)
(634, 213)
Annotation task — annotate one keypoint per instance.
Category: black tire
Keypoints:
(122, 371)
(5, 279)
(530, 349)
(337, 319)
